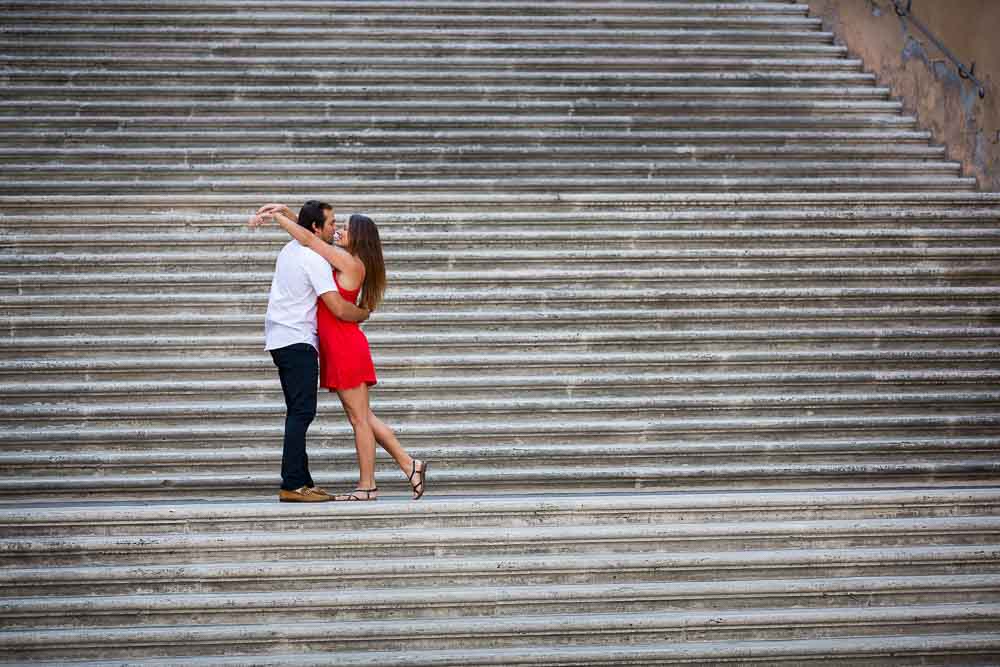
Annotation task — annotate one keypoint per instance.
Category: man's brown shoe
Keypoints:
(303, 494)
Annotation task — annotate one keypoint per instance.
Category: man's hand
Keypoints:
(342, 309)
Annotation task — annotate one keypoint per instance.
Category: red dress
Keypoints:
(345, 360)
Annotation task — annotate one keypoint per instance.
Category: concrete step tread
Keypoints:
(527, 428)
(793, 652)
(524, 201)
(80, 45)
(469, 324)
(461, 97)
(329, 570)
(884, 353)
(764, 378)
(571, 453)
(970, 469)
(696, 398)
(242, 342)
(776, 166)
(503, 6)
(670, 13)
(457, 247)
(462, 286)
(633, 503)
(512, 183)
(523, 626)
(481, 74)
(456, 62)
(631, 137)
(556, 537)
(190, 155)
(52, 609)
(506, 242)
(789, 31)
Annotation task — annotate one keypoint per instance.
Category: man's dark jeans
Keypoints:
(298, 368)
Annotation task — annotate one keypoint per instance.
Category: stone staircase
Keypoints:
(699, 330)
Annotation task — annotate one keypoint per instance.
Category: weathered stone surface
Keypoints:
(697, 325)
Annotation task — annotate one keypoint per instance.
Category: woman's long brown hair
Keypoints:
(363, 241)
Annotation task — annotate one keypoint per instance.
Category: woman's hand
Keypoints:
(267, 212)
(275, 208)
(258, 219)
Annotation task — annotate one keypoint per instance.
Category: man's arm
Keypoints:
(343, 309)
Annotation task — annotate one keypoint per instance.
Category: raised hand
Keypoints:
(271, 208)
(258, 219)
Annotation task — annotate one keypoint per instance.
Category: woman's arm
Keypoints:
(338, 257)
(269, 209)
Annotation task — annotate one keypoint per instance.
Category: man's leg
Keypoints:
(298, 369)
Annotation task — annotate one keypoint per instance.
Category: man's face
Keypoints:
(328, 227)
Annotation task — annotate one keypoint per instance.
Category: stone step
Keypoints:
(215, 292)
(202, 226)
(680, 205)
(509, 383)
(508, 241)
(427, 94)
(561, 169)
(457, 603)
(508, 570)
(233, 545)
(424, 260)
(332, 77)
(481, 8)
(349, 19)
(705, 117)
(553, 511)
(831, 355)
(124, 113)
(614, 338)
(228, 49)
(458, 64)
(300, 188)
(717, 434)
(454, 410)
(854, 651)
(149, 483)
(202, 157)
(222, 295)
(474, 327)
(119, 470)
(774, 452)
(696, 29)
(489, 634)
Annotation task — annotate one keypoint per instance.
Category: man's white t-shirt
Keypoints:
(300, 276)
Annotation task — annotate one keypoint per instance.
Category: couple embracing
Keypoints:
(312, 333)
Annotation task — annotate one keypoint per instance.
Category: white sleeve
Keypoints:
(320, 273)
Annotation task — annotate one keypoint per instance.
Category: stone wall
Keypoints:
(923, 78)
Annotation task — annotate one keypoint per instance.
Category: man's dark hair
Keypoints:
(312, 213)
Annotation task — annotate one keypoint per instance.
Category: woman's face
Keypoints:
(341, 235)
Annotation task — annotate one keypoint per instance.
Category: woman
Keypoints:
(345, 358)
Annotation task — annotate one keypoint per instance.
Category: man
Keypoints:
(300, 278)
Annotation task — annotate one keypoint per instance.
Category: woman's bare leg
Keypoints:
(390, 443)
(355, 402)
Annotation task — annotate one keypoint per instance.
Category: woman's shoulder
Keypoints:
(358, 268)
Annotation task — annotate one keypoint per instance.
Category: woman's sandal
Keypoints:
(352, 495)
(418, 488)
